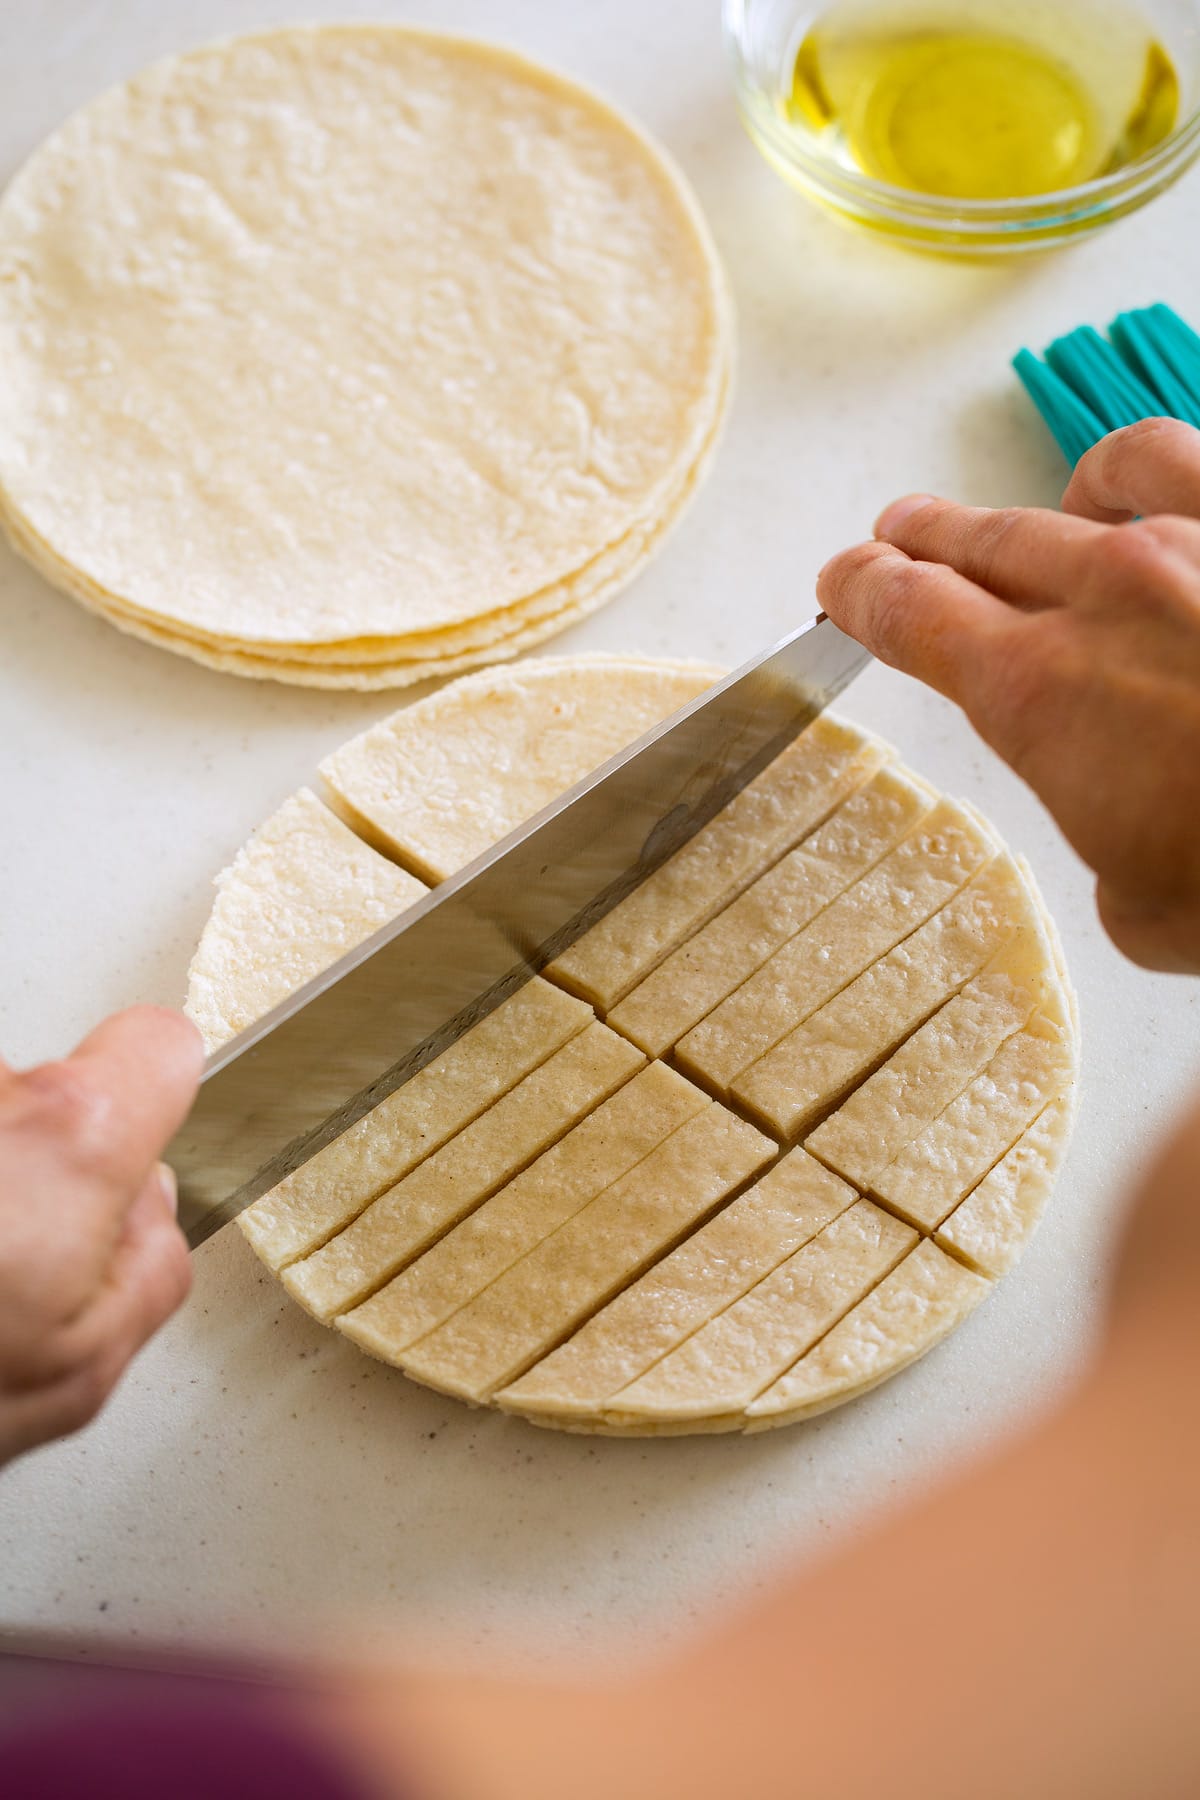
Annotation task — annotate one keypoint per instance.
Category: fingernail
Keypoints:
(168, 1186)
(898, 511)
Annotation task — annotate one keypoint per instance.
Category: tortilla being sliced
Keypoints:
(301, 893)
(543, 1221)
(468, 1167)
(439, 782)
(793, 794)
(911, 1310)
(717, 1265)
(444, 1098)
(913, 882)
(708, 966)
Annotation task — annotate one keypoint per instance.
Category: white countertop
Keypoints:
(255, 1474)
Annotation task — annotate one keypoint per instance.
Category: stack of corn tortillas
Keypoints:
(764, 1135)
(352, 355)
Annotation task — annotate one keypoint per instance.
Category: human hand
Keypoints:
(1072, 643)
(91, 1259)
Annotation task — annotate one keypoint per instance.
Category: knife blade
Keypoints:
(309, 1069)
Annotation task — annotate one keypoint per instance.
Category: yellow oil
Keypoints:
(984, 99)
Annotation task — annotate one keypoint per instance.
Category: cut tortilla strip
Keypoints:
(911, 1310)
(440, 782)
(553, 1289)
(451, 1183)
(340, 1180)
(920, 1080)
(924, 871)
(723, 1367)
(302, 892)
(933, 1172)
(825, 764)
(597, 1152)
(715, 1266)
(811, 1069)
(992, 1226)
(1034, 957)
(705, 968)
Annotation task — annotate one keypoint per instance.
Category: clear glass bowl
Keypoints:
(762, 38)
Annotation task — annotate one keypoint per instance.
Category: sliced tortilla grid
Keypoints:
(707, 967)
(911, 883)
(544, 1221)
(913, 1308)
(940, 1166)
(919, 1081)
(778, 808)
(597, 1152)
(447, 1185)
(990, 1228)
(929, 1293)
(572, 1273)
(715, 1266)
(722, 1367)
(333, 1188)
(814, 1066)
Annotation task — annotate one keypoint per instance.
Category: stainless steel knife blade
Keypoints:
(308, 1070)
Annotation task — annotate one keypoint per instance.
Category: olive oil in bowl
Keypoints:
(984, 100)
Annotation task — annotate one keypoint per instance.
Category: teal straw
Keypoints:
(1088, 386)
(1134, 336)
(1089, 365)
(1074, 425)
(1178, 344)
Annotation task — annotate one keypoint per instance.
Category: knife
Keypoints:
(309, 1069)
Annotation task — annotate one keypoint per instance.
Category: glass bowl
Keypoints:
(762, 37)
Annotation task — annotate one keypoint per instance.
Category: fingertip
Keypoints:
(1078, 501)
(161, 1033)
(838, 576)
(894, 515)
(146, 1062)
(1151, 466)
(172, 1026)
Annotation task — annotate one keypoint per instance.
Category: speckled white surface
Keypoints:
(256, 1475)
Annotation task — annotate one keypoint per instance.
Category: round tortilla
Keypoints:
(328, 337)
(552, 1222)
(372, 663)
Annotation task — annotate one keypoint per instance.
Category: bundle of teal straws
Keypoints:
(1088, 385)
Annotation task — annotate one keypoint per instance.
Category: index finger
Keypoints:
(1027, 555)
(919, 617)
